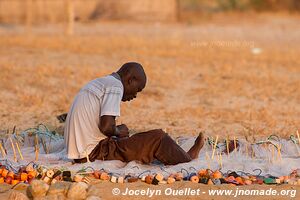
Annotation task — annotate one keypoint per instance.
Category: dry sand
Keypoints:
(200, 76)
(104, 190)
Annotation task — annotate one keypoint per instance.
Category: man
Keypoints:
(91, 131)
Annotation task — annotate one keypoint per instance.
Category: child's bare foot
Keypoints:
(195, 149)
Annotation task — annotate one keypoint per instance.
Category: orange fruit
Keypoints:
(31, 174)
(24, 176)
(29, 180)
(132, 179)
(281, 178)
(217, 174)
(239, 180)
(8, 180)
(178, 176)
(285, 178)
(104, 176)
(252, 178)
(194, 179)
(17, 176)
(149, 179)
(171, 180)
(202, 172)
(4, 173)
(14, 182)
(97, 174)
(159, 177)
(11, 174)
(248, 182)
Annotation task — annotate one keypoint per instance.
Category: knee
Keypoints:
(159, 133)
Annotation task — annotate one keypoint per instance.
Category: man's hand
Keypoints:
(108, 127)
(123, 131)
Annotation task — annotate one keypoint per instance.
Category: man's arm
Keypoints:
(108, 127)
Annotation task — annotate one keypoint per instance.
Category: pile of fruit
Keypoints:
(24, 174)
(204, 176)
(27, 173)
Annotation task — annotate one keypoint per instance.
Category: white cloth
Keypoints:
(238, 161)
(99, 97)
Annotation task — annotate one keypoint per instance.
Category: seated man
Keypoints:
(91, 131)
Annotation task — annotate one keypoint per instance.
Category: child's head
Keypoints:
(133, 78)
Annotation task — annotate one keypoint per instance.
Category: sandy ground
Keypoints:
(105, 191)
(200, 76)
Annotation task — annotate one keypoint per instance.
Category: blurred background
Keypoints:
(223, 66)
(58, 11)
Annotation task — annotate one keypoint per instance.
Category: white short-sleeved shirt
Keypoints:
(99, 97)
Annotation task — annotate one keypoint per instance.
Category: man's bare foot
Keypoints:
(195, 149)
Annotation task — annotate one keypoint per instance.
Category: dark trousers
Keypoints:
(144, 147)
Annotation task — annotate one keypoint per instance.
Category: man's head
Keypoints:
(133, 78)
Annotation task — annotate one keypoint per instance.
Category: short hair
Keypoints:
(130, 66)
